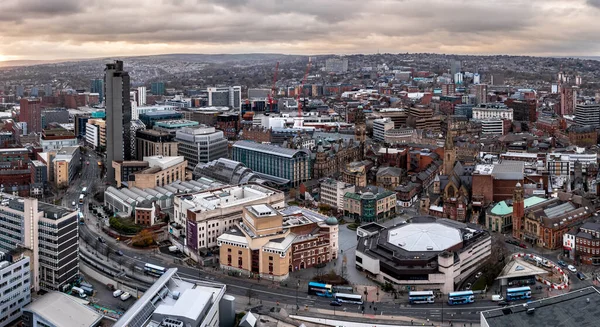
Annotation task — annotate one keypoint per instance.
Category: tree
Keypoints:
(144, 239)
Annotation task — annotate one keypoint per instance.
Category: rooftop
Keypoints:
(64, 310)
(424, 237)
(502, 208)
(518, 267)
(269, 149)
(574, 309)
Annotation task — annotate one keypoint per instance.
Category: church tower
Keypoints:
(360, 125)
(449, 151)
(518, 210)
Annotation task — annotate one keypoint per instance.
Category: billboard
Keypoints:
(192, 235)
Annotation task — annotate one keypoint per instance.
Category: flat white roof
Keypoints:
(64, 310)
(424, 237)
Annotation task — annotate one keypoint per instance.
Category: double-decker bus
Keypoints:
(348, 298)
(518, 293)
(463, 297)
(154, 270)
(421, 297)
(320, 289)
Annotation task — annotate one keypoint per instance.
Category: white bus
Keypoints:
(81, 196)
(348, 298)
(155, 270)
(421, 297)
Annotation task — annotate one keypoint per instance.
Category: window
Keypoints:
(239, 252)
(240, 261)
(270, 267)
(270, 258)
(229, 250)
(229, 259)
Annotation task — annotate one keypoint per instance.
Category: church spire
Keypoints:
(449, 145)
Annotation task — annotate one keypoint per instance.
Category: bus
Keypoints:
(81, 196)
(518, 293)
(81, 219)
(320, 289)
(348, 298)
(421, 297)
(463, 297)
(155, 270)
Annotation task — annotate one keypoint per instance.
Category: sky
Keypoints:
(68, 29)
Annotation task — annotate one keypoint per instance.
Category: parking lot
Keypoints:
(104, 297)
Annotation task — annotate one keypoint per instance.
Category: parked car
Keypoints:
(580, 275)
(125, 296)
(522, 245)
(110, 287)
(74, 204)
(572, 268)
(335, 304)
(101, 240)
(119, 252)
(561, 263)
(117, 293)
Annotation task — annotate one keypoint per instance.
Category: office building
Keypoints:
(200, 144)
(568, 100)
(57, 309)
(160, 171)
(581, 243)
(95, 134)
(523, 110)
(35, 225)
(15, 284)
(118, 116)
(448, 89)
(150, 118)
(157, 88)
(174, 302)
(271, 243)
(587, 114)
(66, 163)
(379, 128)
(492, 111)
(19, 91)
(56, 138)
(30, 112)
(336, 65)
(225, 97)
(481, 91)
(58, 115)
(498, 79)
(141, 96)
(228, 172)
(476, 78)
(370, 204)
(258, 93)
(172, 126)
(97, 86)
(455, 67)
(283, 165)
(206, 215)
(155, 143)
(333, 191)
(492, 126)
(428, 253)
(134, 127)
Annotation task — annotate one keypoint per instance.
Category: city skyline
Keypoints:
(71, 29)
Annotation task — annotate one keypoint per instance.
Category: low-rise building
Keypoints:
(333, 191)
(206, 215)
(369, 204)
(424, 254)
(66, 164)
(582, 243)
(271, 243)
(389, 177)
(57, 309)
(227, 171)
(56, 138)
(160, 171)
(355, 173)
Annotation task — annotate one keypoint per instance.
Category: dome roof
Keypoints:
(331, 221)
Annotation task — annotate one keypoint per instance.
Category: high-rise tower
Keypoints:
(118, 116)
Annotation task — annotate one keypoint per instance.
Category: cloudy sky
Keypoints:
(58, 29)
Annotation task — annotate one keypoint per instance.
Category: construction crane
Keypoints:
(273, 88)
(300, 119)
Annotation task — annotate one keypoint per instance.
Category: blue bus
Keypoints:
(518, 293)
(421, 297)
(320, 289)
(464, 297)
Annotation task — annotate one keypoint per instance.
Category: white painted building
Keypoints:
(380, 126)
(492, 111)
(92, 135)
(492, 126)
(333, 191)
(15, 286)
(141, 96)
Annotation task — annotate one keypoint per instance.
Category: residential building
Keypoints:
(258, 93)
(370, 204)
(141, 96)
(57, 309)
(587, 114)
(174, 302)
(582, 243)
(15, 284)
(283, 165)
(333, 191)
(39, 177)
(380, 126)
(568, 100)
(205, 215)
(336, 65)
(271, 243)
(66, 163)
(159, 172)
(225, 96)
(97, 86)
(56, 138)
(200, 144)
(118, 116)
(424, 254)
(481, 91)
(146, 213)
(95, 134)
(227, 171)
(30, 112)
(158, 88)
(36, 226)
(155, 143)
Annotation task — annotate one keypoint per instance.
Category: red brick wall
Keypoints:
(483, 185)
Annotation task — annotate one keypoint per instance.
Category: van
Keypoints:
(117, 293)
(79, 291)
(497, 297)
(125, 296)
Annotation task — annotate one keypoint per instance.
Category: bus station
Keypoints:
(520, 272)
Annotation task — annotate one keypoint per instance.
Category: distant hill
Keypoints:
(24, 63)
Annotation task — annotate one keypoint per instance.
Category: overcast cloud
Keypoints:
(57, 29)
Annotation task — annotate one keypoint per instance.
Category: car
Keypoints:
(74, 204)
(561, 263)
(117, 293)
(572, 269)
(468, 286)
(539, 287)
(580, 275)
(101, 240)
(119, 252)
(522, 245)
(335, 304)
(503, 303)
(478, 274)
